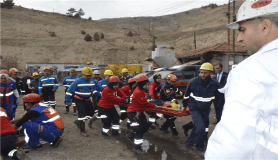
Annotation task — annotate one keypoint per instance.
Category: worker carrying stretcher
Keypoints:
(135, 113)
(83, 88)
(107, 111)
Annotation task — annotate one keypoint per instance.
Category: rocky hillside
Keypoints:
(26, 36)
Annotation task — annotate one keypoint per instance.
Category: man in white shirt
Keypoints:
(249, 125)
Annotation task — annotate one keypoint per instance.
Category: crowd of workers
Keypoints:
(132, 95)
(249, 92)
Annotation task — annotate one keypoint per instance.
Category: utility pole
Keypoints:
(195, 40)
(150, 26)
(234, 19)
(228, 36)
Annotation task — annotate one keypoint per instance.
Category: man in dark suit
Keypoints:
(221, 77)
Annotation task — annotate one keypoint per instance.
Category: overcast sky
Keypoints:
(118, 8)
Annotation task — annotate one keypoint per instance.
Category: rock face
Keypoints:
(25, 35)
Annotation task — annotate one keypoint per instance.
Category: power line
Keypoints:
(170, 9)
(155, 9)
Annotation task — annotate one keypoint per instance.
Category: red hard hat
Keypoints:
(32, 97)
(172, 77)
(14, 71)
(4, 71)
(141, 78)
(114, 79)
(131, 80)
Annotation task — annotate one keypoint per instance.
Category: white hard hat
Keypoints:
(252, 9)
(96, 72)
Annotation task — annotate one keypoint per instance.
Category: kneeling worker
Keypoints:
(41, 121)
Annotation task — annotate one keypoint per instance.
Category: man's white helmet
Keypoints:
(96, 72)
(252, 9)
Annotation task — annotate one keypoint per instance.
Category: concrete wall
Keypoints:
(238, 59)
(164, 57)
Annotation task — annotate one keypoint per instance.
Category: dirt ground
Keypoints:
(157, 144)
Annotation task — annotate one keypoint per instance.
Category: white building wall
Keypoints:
(164, 57)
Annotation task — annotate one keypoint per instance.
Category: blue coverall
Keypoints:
(198, 97)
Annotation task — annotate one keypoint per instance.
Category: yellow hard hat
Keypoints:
(207, 66)
(108, 73)
(45, 68)
(41, 73)
(35, 74)
(124, 70)
(87, 71)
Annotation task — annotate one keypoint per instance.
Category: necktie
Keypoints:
(217, 77)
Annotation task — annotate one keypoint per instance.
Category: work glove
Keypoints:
(174, 105)
(17, 101)
(126, 101)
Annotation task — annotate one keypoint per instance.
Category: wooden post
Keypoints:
(195, 40)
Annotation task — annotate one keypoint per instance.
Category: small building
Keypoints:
(214, 54)
(164, 56)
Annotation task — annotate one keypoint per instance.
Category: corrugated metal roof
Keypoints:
(221, 47)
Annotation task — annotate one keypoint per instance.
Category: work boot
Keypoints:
(130, 137)
(35, 147)
(105, 135)
(128, 125)
(56, 142)
(164, 130)
(82, 129)
(67, 110)
(74, 111)
(139, 150)
(15, 156)
(115, 133)
(185, 130)
(77, 124)
(94, 118)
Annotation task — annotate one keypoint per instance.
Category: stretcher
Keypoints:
(165, 110)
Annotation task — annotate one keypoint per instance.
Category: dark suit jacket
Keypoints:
(224, 77)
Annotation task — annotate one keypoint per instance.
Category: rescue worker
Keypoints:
(48, 85)
(167, 94)
(14, 76)
(107, 111)
(67, 82)
(248, 127)
(96, 75)
(34, 85)
(127, 90)
(199, 96)
(107, 74)
(19, 85)
(154, 90)
(124, 79)
(82, 88)
(9, 94)
(26, 82)
(41, 74)
(8, 136)
(41, 121)
(135, 113)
